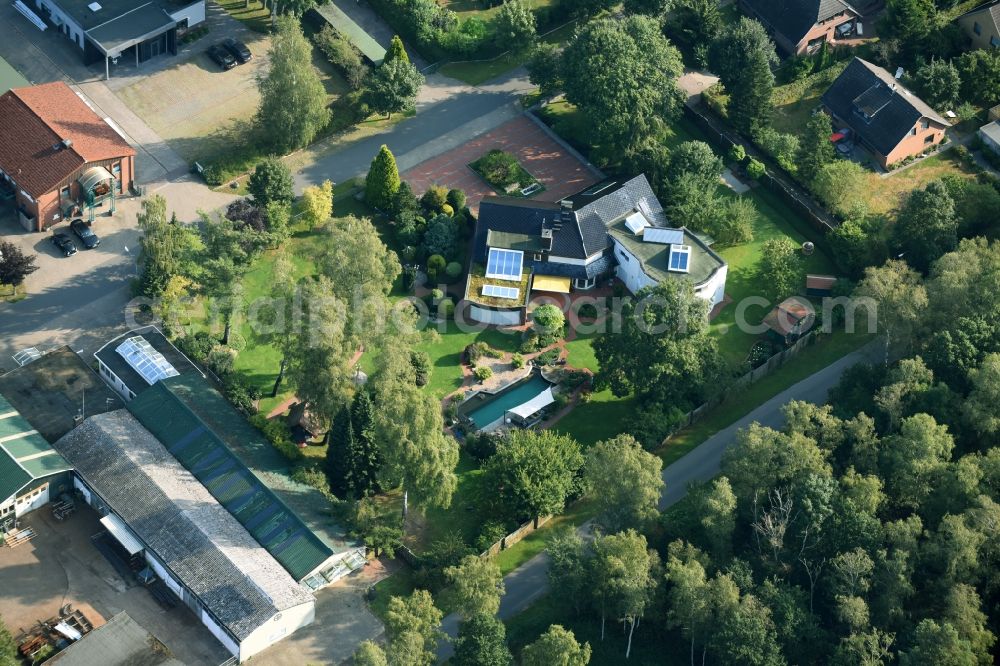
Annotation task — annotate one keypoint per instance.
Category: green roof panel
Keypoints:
(12, 477)
(245, 496)
(29, 445)
(46, 465)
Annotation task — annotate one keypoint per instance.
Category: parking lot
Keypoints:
(61, 566)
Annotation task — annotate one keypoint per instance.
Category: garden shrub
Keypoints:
(241, 393)
(547, 358)
(491, 532)
(421, 362)
(483, 373)
(548, 320)
(756, 169)
(587, 311)
(278, 433)
(447, 209)
(312, 476)
(502, 170)
(196, 346)
(655, 423)
(435, 263)
(457, 199)
(517, 361)
(446, 308)
(434, 198)
(342, 54)
(784, 148)
(737, 153)
(481, 446)
(453, 269)
(221, 360)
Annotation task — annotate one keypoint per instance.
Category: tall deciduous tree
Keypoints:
(370, 654)
(622, 74)
(476, 585)
(900, 298)
(382, 182)
(168, 249)
(623, 573)
(514, 26)
(742, 55)
(663, 347)
(271, 182)
(292, 98)
(927, 226)
(533, 472)
(392, 87)
(781, 268)
(15, 266)
(625, 482)
(414, 627)
(939, 83)
(482, 642)
(556, 647)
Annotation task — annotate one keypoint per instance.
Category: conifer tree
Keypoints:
(396, 51)
(382, 182)
(340, 443)
(365, 459)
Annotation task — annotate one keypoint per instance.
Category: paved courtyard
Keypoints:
(61, 566)
(546, 159)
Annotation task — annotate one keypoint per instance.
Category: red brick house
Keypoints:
(886, 118)
(802, 26)
(56, 154)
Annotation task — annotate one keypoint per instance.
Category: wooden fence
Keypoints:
(747, 380)
(517, 535)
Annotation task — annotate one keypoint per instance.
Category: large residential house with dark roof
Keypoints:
(802, 26)
(106, 30)
(982, 25)
(615, 228)
(885, 117)
(57, 155)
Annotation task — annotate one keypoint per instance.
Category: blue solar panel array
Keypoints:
(504, 264)
(679, 256)
(497, 291)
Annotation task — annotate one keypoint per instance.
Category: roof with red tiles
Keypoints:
(34, 124)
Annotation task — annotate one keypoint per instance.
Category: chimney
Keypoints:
(67, 143)
(565, 215)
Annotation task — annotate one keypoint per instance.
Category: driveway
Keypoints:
(543, 157)
(438, 127)
(530, 581)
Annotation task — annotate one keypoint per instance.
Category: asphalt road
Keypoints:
(530, 581)
(464, 113)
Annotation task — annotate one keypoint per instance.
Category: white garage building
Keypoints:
(154, 506)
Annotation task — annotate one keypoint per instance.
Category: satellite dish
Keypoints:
(808, 248)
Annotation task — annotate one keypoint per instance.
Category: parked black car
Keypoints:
(238, 49)
(85, 234)
(64, 243)
(221, 56)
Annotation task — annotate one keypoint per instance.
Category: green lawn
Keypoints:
(445, 350)
(254, 13)
(794, 102)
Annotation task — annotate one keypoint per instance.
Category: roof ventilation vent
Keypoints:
(67, 143)
(94, 6)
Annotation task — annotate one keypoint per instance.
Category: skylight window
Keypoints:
(663, 236)
(636, 222)
(504, 264)
(497, 291)
(145, 360)
(680, 258)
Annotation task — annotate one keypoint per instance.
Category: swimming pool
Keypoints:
(494, 406)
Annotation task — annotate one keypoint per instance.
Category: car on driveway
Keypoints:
(222, 57)
(64, 243)
(85, 234)
(238, 50)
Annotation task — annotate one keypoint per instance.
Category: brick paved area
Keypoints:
(561, 173)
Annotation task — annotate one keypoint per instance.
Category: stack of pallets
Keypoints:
(17, 537)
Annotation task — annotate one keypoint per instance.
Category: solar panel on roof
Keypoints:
(504, 264)
(145, 360)
(663, 236)
(636, 222)
(680, 256)
(496, 291)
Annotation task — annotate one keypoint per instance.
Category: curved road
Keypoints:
(530, 581)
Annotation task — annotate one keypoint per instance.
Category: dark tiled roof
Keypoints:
(176, 518)
(794, 18)
(34, 120)
(510, 215)
(594, 214)
(596, 268)
(253, 504)
(892, 109)
(110, 357)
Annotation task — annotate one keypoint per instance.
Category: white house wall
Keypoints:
(630, 270)
(23, 505)
(194, 14)
(60, 18)
(277, 628)
(714, 290)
